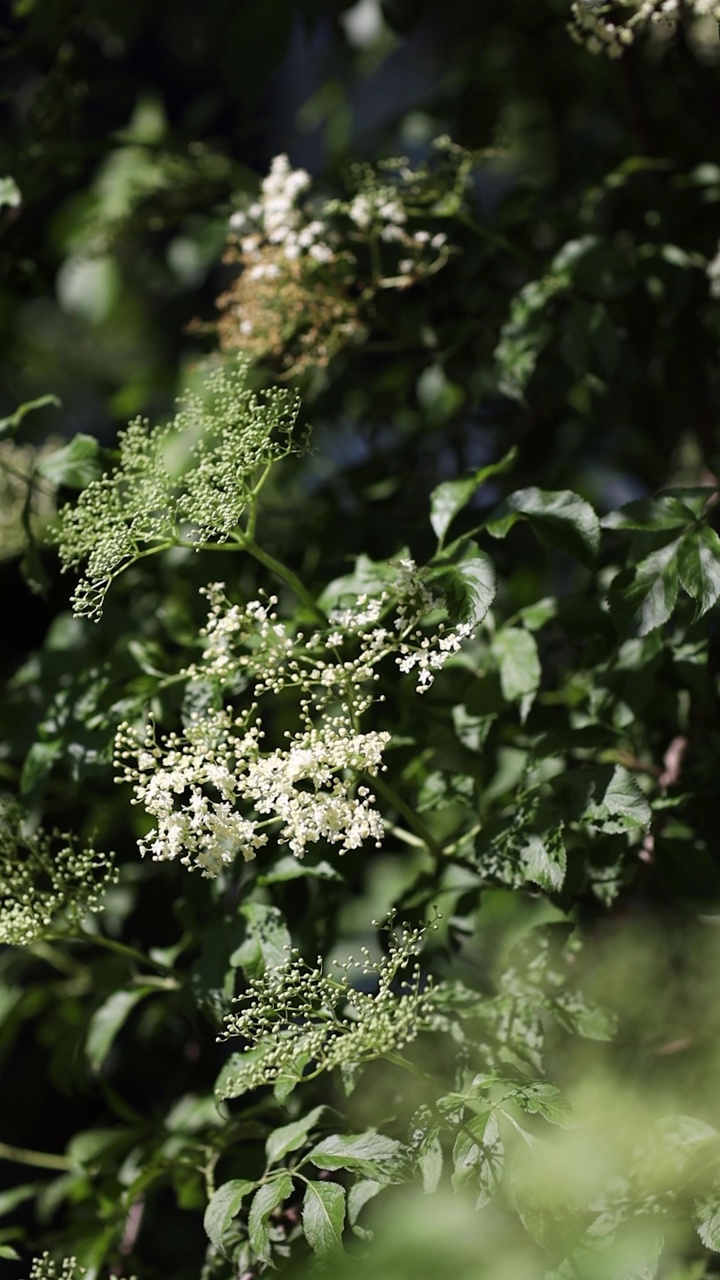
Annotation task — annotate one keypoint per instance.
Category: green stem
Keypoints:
(120, 948)
(38, 1159)
(286, 575)
(408, 814)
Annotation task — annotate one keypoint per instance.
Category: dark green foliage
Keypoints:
(429, 705)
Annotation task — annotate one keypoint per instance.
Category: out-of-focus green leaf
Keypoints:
(75, 465)
(107, 1021)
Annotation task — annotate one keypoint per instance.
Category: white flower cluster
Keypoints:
(192, 785)
(600, 34)
(418, 650)
(214, 791)
(276, 219)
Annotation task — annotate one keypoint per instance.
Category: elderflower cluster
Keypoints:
(309, 266)
(227, 439)
(42, 886)
(213, 793)
(599, 33)
(418, 651)
(216, 789)
(296, 1016)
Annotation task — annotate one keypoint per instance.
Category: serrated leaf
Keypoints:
(291, 1136)
(707, 1220)
(107, 1021)
(516, 654)
(605, 797)
(650, 515)
(479, 1157)
(543, 1099)
(370, 1153)
(75, 465)
(266, 1198)
(323, 1217)
(223, 1207)
(466, 577)
(699, 566)
(560, 518)
(288, 1076)
(544, 861)
(430, 1164)
(643, 599)
(449, 498)
(583, 1017)
(268, 943)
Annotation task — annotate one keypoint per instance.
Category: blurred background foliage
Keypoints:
(576, 322)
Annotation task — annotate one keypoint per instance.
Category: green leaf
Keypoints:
(290, 868)
(291, 1136)
(16, 1195)
(368, 577)
(516, 654)
(546, 1100)
(651, 515)
(223, 1206)
(544, 861)
(107, 1021)
(561, 519)
(7, 1251)
(466, 577)
(237, 1075)
(449, 498)
(323, 1217)
(699, 566)
(707, 1220)
(359, 1195)
(430, 1164)
(266, 1198)
(268, 943)
(606, 798)
(36, 769)
(479, 1157)
(581, 1016)
(75, 465)
(370, 1153)
(13, 422)
(643, 599)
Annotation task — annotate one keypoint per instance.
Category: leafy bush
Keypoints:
(431, 724)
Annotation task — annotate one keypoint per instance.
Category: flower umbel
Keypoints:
(43, 887)
(215, 790)
(297, 1017)
(227, 439)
